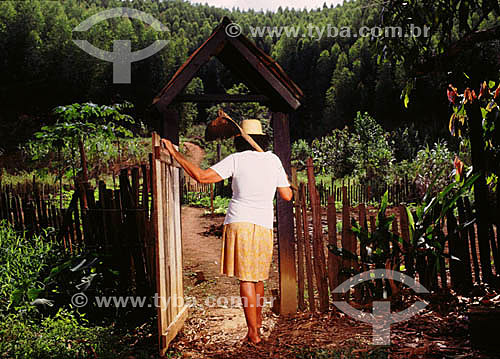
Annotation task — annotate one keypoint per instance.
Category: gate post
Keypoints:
(286, 237)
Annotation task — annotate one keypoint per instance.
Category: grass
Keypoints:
(55, 329)
(13, 179)
(22, 261)
(65, 335)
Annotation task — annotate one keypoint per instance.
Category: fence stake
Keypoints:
(300, 242)
(333, 260)
(318, 246)
(307, 247)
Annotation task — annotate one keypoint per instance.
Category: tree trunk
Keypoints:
(480, 189)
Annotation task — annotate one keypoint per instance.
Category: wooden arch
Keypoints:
(270, 86)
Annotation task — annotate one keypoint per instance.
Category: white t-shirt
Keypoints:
(256, 175)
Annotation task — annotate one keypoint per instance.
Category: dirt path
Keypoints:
(216, 321)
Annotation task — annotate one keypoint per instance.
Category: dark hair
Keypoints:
(242, 145)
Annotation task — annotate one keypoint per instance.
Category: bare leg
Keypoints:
(249, 299)
(259, 291)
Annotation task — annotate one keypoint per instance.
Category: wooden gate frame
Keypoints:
(171, 307)
(270, 86)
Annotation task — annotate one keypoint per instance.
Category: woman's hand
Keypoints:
(285, 193)
(169, 146)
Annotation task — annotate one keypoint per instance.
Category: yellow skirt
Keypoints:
(247, 251)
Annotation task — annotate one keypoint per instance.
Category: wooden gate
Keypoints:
(172, 309)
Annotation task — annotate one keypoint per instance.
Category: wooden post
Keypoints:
(333, 260)
(347, 264)
(300, 241)
(307, 248)
(169, 126)
(286, 240)
(346, 227)
(211, 198)
(363, 223)
(318, 246)
(472, 239)
(362, 292)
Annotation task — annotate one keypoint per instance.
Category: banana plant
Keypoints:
(382, 248)
(427, 238)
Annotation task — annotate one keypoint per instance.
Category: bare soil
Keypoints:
(216, 321)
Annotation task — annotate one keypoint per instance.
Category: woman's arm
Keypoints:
(199, 175)
(285, 193)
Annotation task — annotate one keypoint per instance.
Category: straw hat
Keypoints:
(252, 127)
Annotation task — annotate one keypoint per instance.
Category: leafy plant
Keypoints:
(22, 260)
(381, 244)
(405, 142)
(487, 99)
(301, 151)
(335, 153)
(203, 200)
(427, 237)
(373, 155)
(432, 163)
(66, 335)
(99, 129)
(381, 248)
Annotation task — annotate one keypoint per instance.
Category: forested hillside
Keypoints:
(41, 67)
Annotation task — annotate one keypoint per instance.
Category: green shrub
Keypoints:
(373, 156)
(335, 153)
(362, 151)
(203, 200)
(21, 261)
(406, 142)
(107, 133)
(301, 151)
(434, 163)
(35, 279)
(65, 335)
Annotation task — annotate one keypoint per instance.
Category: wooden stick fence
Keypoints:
(201, 190)
(44, 190)
(459, 268)
(402, 191)
(28, 207)
(114, 222)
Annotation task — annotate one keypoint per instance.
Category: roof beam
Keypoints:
(220, 98)
(186, 73)
(265, 72)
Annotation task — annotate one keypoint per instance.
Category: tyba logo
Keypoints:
(122, 55)
(381, 317)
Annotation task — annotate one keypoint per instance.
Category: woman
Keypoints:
(247, 240)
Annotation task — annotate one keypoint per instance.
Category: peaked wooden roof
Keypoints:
(257, 70)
